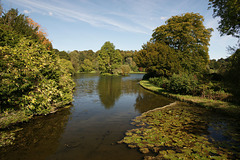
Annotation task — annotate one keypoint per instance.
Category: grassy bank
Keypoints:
(220, 106)
(184, 131)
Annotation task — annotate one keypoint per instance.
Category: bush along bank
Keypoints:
(203, 101)
(186, 130)
(33, 82)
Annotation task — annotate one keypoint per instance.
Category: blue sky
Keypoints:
(128, 24)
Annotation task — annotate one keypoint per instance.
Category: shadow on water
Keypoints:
(38, 138)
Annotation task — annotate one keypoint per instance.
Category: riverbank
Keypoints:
(193, 130)
(216, 105)
(11, 118)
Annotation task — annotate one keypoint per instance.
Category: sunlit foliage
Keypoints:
(183, 39)
(32, 78)
(109, 58)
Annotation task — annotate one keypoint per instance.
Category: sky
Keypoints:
(128, 24)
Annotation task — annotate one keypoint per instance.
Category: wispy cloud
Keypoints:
(139, 16)
(95, 17)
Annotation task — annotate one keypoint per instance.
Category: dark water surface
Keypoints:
(101, 113)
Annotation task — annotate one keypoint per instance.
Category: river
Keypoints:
(101, 113)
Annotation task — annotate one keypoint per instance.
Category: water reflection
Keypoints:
(38, 139)
(109, 90)
(146, 101)
(90, 129)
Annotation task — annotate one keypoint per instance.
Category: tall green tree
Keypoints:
(229, 12)
(74, 57)
(86, 66)
(159, 59)
(187, 35)
(109, 58)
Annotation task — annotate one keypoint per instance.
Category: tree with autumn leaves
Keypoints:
(22, 26)
(33, 78)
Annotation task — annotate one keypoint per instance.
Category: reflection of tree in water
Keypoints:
(147, 101)
(130, 87)
(109, 89)
(39, 138)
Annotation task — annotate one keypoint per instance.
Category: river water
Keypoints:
(89, 130)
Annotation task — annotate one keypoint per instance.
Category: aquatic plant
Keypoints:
(176, 132)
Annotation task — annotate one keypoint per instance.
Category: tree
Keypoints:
(62, 54)
(229, 12)
(32, 78)
(159, 59)
(7, 36)
(24, 27)
(74, 57)
(18, 23)
(109, 58)
(67, 66)
(125, 69)
(41, 33)
(232, 74)
(187, 35)
(87, 66)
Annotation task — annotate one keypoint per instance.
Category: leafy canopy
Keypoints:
(109, 58)
(158, 58)
(229, 12)
(183, 39)
(32, 78)
(22, 26)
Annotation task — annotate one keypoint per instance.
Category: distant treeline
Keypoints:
(88, 60)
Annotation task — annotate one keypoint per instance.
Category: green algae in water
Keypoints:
(179, 132)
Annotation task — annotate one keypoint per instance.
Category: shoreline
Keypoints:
(216, 105)
(14, 118)
(179, 130)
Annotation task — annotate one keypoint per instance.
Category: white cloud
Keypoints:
(163, 18)
(26, 11)
(50, 13)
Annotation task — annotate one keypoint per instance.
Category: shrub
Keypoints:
(183, 84)
(125, 69)
(178, 83)
(189, 84)
(33, 79)
(160, 81)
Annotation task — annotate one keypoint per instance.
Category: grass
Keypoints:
(132, 72)
(221, 106)
(181, 130)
